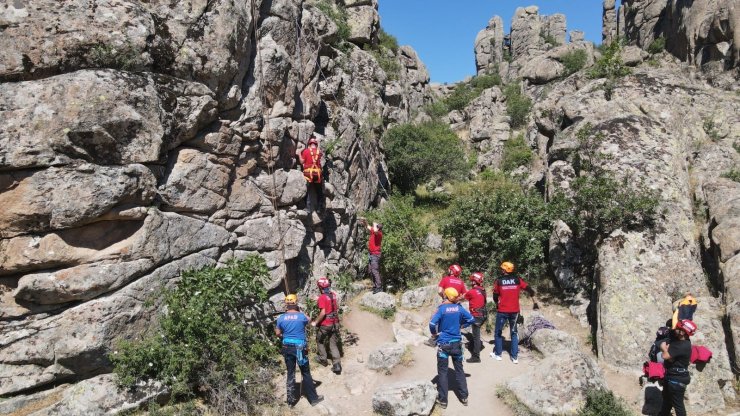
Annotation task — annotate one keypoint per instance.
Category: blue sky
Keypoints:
(443, 31)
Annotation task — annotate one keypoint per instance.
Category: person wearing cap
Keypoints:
(676, 358)
(445, 328)
(327, 324)
(310, 159)
(291, 326)
(506, 291)
(373, 247)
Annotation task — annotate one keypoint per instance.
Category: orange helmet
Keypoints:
(455, 270)
(477, 278)
(508, 267)
(323, 282)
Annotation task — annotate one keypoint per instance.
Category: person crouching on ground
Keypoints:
(291, 326)
(445, 327)
(676, 358)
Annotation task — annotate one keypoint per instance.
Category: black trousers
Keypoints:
(444, 352)
(477, 345)
(673, 398)
(290, 354)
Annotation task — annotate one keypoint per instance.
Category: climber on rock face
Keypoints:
(506, 296)
(291, 326)
(327, 324)
(445, 328)
(310, 159)
(476, 297)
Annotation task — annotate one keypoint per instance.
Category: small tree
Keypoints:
(416, 153)
(518, 105)
(516, 153)
(611, 67)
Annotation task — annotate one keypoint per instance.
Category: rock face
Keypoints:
(144, 138)
(378, 301)
(420, 297)
(559, 384)
(609, 21)
(489, 45)
(704, 33)
(654, 116)
(405, 399)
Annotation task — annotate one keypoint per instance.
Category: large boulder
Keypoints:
(386, 356)
(419, 297)
(559, 383)
(378, 301)
(551, 341)
(98, 395)
(405, 399)
(104, 117)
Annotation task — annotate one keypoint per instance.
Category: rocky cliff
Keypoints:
(668, 127)
(704, 33)
(143, 138)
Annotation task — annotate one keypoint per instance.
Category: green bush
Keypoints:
(574, 61)
(201, 346)
(516, 153)
(604, 403)
(465, 93)
(518, 105)
(549, 39)
(387, 41)
(733, 174)
(436, 109)
(485, 81)
(124, 57)
(338, 14)
(600, 203)
(404, 235)
(657, 46)
(500, 222)
(610, 66)
(416, 153)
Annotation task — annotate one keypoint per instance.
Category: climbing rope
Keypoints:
(265, 129)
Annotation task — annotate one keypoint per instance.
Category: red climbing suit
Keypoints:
(311, 164)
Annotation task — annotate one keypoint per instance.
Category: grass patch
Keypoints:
(574, 61)
(657, 46)
(509, 398)
(516, 153)
(733, 174)
(604, 403)
(518, 105)
(710, 128)
(388, 314)
(407, 359)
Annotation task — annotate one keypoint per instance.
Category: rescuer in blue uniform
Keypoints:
(445, 328)
(292, 327)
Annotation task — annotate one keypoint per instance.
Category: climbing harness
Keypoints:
(312, 173)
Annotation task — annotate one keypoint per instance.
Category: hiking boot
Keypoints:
(337, 368)
(318, 400)
(291, 402)
(441, 404)
(464, 401)
(473, 360)
(322, 361)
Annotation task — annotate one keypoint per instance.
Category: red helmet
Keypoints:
(323, 282)
(313, 140)
(477, 278)
(455, 270)
(686, 325)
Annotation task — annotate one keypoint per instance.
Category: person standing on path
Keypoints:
(291, 326)
(476, 298)
(676, 358)
(452, 280)
(445, 328)
(373, 247)
(506, 296)
(327, 333)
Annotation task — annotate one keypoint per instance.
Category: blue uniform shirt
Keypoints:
(293, 325)
(448, 320)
